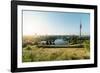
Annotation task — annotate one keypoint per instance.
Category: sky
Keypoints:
(55, 23)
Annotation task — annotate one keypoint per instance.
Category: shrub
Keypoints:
(26, 57)
(28, 48)
(87, 45)
(25, 43)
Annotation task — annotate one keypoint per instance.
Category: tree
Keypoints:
(74, 40)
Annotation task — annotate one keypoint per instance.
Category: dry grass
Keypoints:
(51, 54)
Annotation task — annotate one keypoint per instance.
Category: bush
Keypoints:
(25, 43)
(27, 57)
(87, 45)
(28, 48)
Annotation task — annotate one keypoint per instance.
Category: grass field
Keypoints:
(32, 51)
(33, 54)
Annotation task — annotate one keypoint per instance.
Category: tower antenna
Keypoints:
(80, 28)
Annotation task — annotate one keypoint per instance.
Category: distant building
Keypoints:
(60, 42)
(42, 43)
(56, 42)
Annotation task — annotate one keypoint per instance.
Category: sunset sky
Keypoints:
(55, 23)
